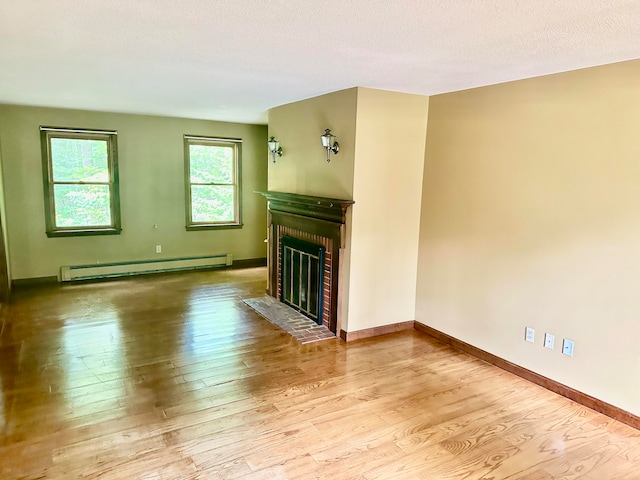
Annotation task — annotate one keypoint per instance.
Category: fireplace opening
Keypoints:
(302, 276)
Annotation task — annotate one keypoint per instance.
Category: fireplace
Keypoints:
(313, 226)
(302, 276)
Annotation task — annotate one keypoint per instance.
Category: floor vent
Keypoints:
(106, 270)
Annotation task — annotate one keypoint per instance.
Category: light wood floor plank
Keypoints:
(174, 377)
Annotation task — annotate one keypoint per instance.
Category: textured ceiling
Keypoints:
(234, 59)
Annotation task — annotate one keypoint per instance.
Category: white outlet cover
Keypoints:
(567, 347)
(530, 334)
(549, 340)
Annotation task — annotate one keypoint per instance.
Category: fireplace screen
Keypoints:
(301, 270)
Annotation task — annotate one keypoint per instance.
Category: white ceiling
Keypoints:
(234, 59)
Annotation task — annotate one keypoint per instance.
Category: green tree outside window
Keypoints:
(80, 182)
(212, 169)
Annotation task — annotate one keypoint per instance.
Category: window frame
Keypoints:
(110, 136)
(236, 143)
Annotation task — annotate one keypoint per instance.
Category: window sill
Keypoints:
(84, 232)
(225, 226)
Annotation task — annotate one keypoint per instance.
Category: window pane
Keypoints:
(79, 160)
(82, 205)
(212, 203)
(211, 164)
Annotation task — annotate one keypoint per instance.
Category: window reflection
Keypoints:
(95, 369)
(209, 320)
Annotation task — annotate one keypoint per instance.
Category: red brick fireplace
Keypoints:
(315, 220)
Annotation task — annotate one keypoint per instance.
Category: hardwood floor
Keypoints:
(172, 376)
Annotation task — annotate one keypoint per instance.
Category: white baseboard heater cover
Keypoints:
(106, 270)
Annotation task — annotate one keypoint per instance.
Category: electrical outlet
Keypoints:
(530, 334)
(549, 339)
(567, 347)
(158, 248)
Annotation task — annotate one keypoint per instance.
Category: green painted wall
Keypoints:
(152, 192)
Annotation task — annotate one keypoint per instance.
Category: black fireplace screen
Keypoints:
(302, 275)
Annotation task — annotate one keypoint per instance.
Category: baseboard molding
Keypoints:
(248, 263)
(40, 281)
(33, 282)
(375, 331)
(568, 392)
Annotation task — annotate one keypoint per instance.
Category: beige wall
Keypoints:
(385, 221)
(303, 168)
(379, 166)
(150, 151)
(531, 216)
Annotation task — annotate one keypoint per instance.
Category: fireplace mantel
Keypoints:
(322, 208)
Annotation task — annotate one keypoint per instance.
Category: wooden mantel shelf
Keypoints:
(323, 208)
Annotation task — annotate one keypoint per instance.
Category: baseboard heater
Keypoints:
(120, 269)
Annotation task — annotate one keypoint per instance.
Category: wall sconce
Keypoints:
(329, 142)
(274, 148)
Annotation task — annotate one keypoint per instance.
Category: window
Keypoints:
(80, 171)
(212, 172)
